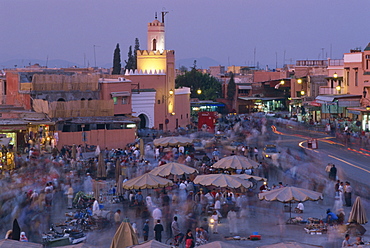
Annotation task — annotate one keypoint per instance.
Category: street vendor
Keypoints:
(331, 217)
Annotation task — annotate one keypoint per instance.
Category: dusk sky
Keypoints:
(226, 31)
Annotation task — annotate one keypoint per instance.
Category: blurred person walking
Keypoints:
(348, 194)
(158, 229)
(146, 230)
(232, 218)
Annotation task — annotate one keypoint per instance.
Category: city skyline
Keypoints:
(240, 32)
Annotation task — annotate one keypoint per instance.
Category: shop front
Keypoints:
(40, 136)
(6, 154)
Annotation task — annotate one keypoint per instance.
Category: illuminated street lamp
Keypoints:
(335, 75)
(282, 82)
(199, 91)
(171, 92)
(337, 88)
(302, 92)
(299, 81)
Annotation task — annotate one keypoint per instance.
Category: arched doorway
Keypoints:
(144, 121)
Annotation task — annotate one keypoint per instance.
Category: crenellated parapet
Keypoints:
(145, 72)
(156, 53)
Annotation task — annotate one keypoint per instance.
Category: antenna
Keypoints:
(47, 60)
(254, 57)
(275, 60)
(155, 15)
(95, 54)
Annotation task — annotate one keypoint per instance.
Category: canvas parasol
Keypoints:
(80, 245)
(8, 243)
(118, 169)
(358, 212)
(247, 177)
(147, 181)
(219, 244)
(124, 236)
(235, 162)
(173, 141)
(289, 244)
(289, 194)
(101, 171)
(152, 244)
(172, 169)
(16, 230)
(119, 185)
(222, 180)
(74, 151)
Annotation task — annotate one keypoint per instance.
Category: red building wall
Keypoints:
(117, 138)
(13, 97)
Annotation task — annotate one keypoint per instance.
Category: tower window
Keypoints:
(154, 44)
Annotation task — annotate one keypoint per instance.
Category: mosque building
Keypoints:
(156, 101)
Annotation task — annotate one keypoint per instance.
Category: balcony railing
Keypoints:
(329, 91)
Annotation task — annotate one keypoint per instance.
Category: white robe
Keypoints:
(232, 218)
(95, 208)
(157, 214)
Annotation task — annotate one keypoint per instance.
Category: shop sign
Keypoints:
(12, 128)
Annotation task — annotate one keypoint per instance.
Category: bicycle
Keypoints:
(174, 241)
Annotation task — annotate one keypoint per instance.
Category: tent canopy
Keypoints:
(235, 162)
(173, 141)
(222, 180)
(289, 194)
(172, 169)
(147, 181)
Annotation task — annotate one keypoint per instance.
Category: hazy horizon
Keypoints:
(241, 32)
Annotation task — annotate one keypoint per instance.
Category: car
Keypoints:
(233, 146)
(270, 151)
(199, 148)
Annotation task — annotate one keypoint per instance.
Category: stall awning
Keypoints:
(345, 100)
(245, 87)
(261, 98)
(5, 141)
(121, 93)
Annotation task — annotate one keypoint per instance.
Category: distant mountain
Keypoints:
(21, 63)
(202, 63)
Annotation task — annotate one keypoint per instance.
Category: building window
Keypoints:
(187, 116)
(181, 117)
(159, 101)
(125, 100)
(115, 100)
(347, 77)
(154, 45)
(356, 78)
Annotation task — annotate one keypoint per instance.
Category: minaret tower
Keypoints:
(156, 34)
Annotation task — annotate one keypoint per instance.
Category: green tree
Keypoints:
(195, 80)
(137, 47)
(130, 60)
(117, 61)
(183, 69)
(231, 87)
